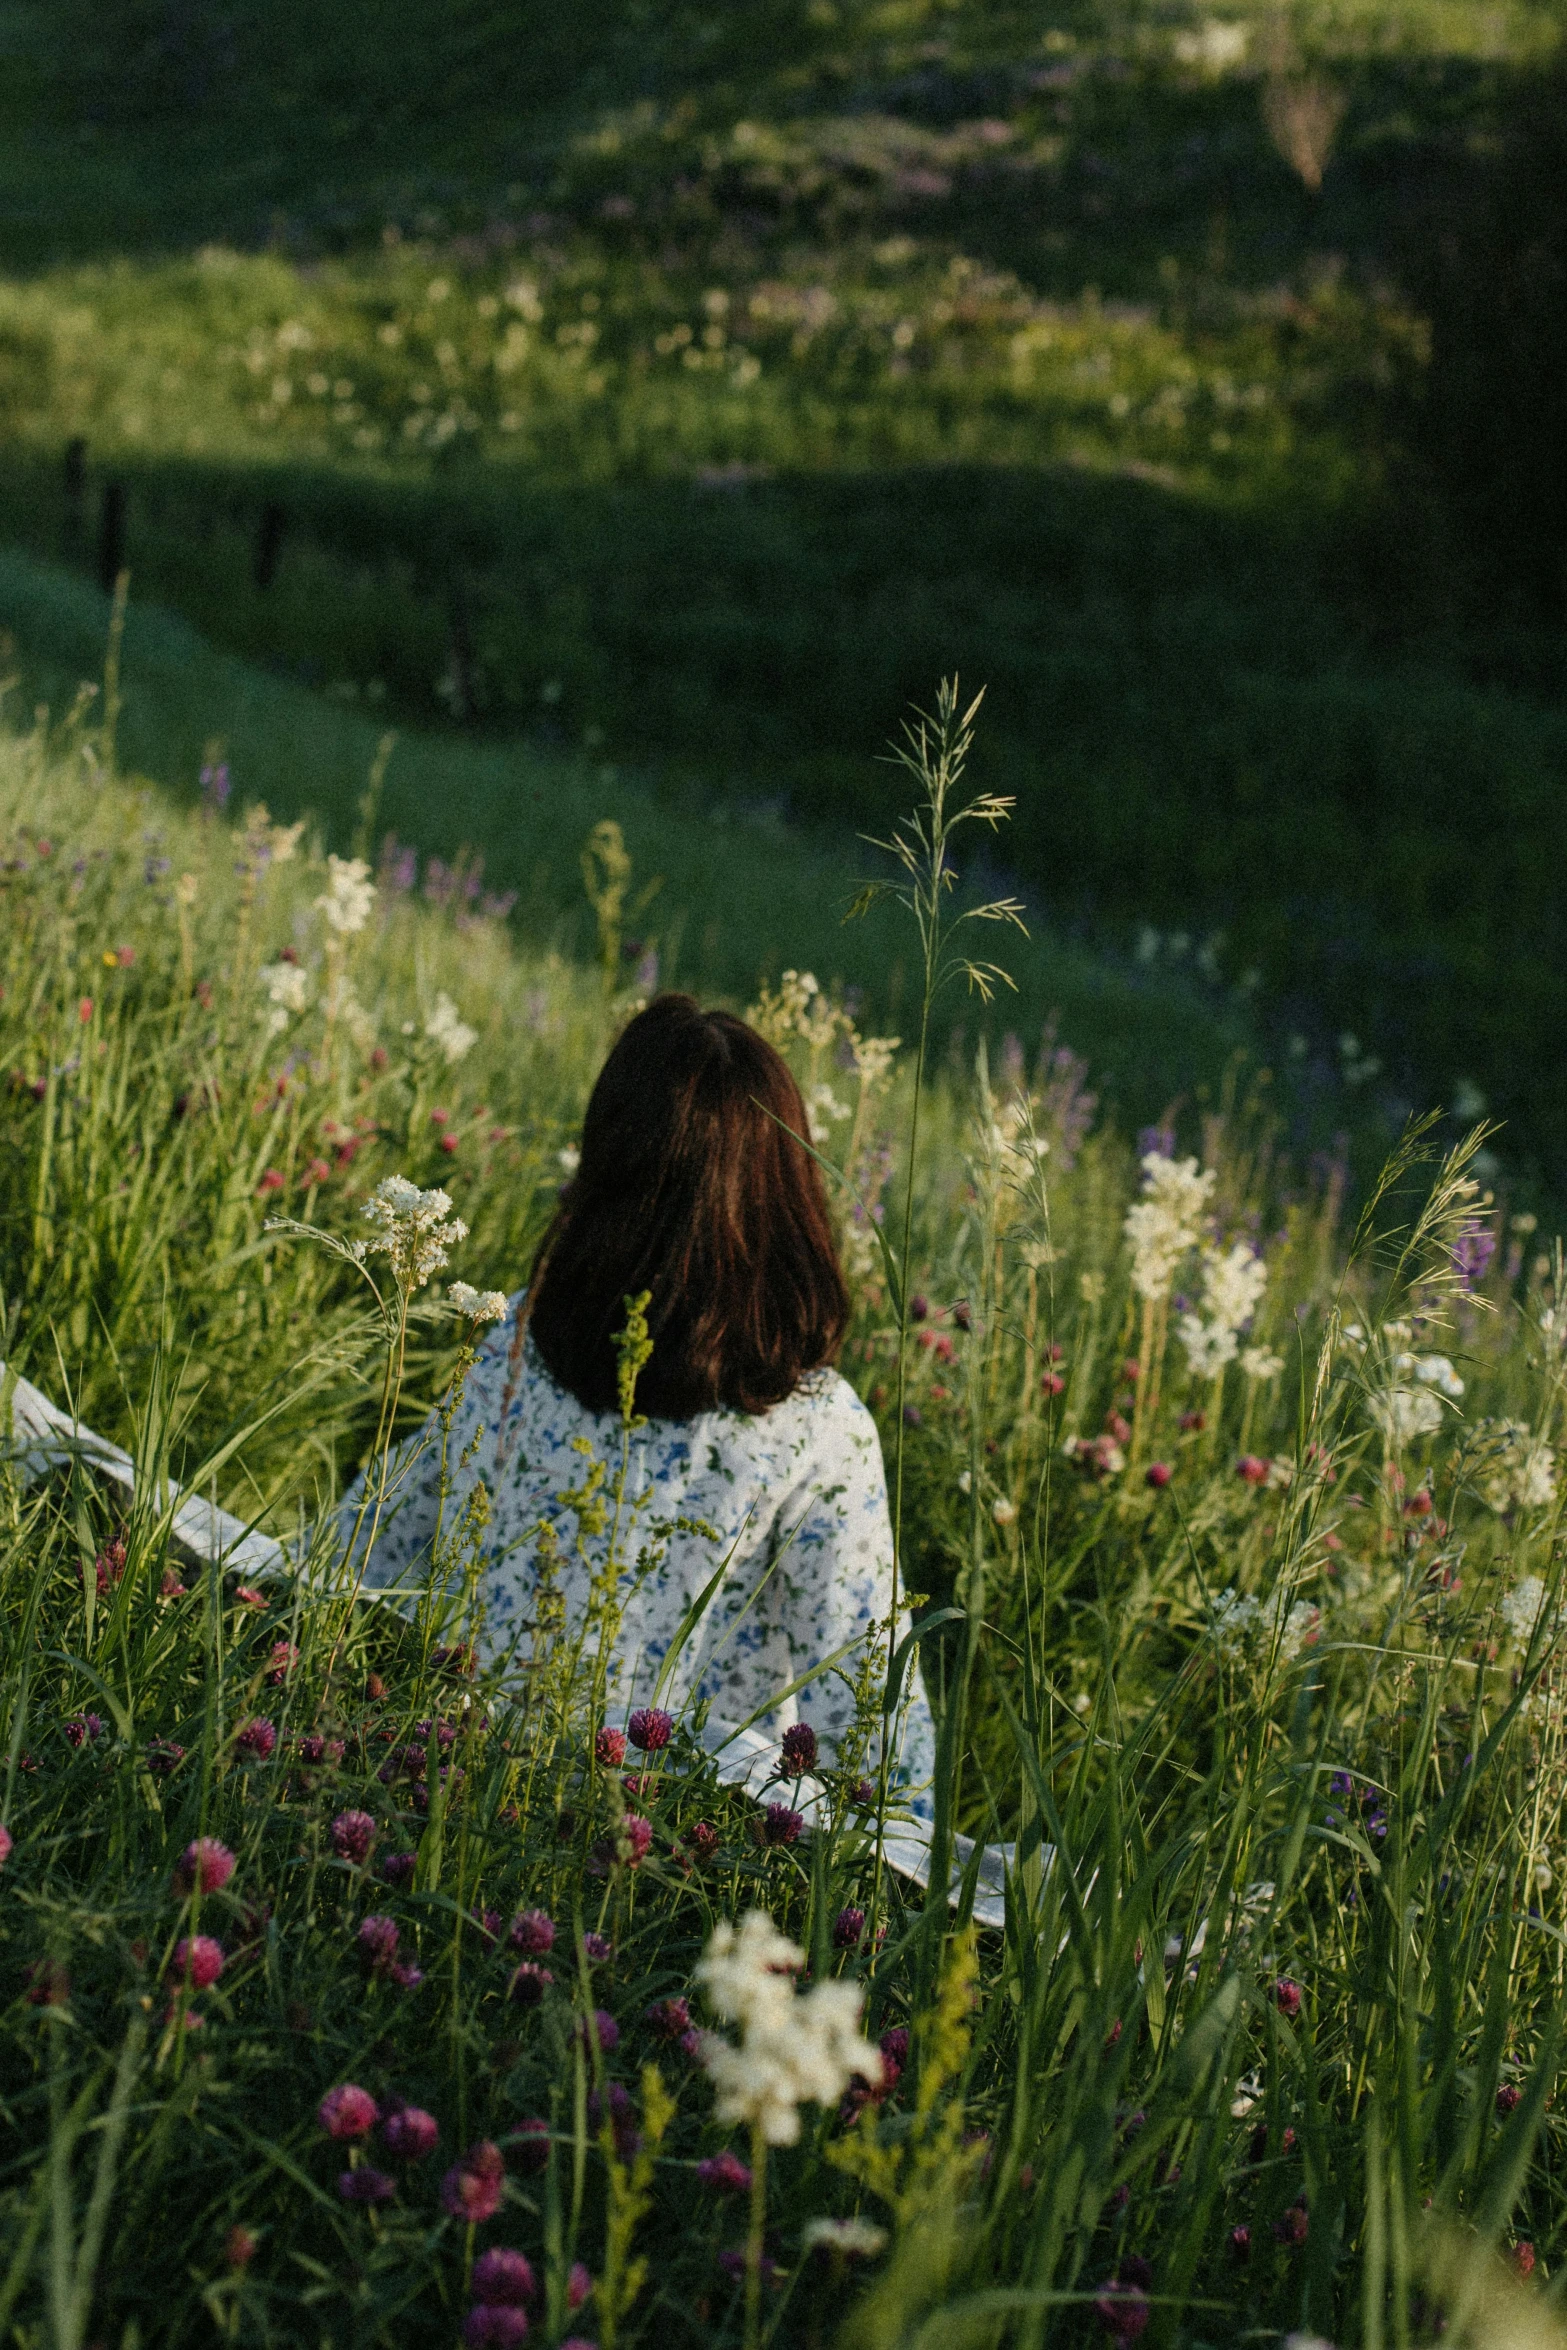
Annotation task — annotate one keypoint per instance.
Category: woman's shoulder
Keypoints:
(825, 1414)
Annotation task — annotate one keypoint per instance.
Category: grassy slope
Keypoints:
(741, 898)
(1226, 692)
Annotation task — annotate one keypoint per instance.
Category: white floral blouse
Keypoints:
(797, 1496)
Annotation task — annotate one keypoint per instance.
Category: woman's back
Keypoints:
(795, 1498)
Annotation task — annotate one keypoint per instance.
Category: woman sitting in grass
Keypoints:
(755, 1455)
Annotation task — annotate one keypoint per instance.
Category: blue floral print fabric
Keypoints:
(795, 1503)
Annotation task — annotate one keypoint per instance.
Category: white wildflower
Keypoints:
(287, 989)
(794, 2050)
(350, 893)
(1523, 1607)
(823, 1111)
(1162, 1225)
(1520, 1468)
(570, 1158)
(1233, 1281)
(1430, 1371)
(1003, 1511)
(283, 840)
(857, 2238)
(480, 1305)
(1298, 1629)
(1232, 1621)
(1258, 1362)
(1404, 1413)
(873, 1058)
(411, 1229)
(446, 1028)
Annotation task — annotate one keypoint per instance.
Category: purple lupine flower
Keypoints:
(650, 1728)
(366, 2185)
(348, 2112)
(502, 2275)
(533, 1932)
(1473, 1250)
(1156, 1142)
(353, 1833)
(216, 786)
(799, 1750)
(410, 2133)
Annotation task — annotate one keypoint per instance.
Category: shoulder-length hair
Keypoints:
(693, 1185)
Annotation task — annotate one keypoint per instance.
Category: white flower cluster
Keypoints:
(1279, 1626)
(1233, 1281)
(856, 2238)
(480, 1305)
(1162, 1225)
(823, 1111)
(1523, 1607)
(411, 1229)
(287, 989)
(447, 1029)
(350, 893)
(1260, 1362)
(794, 2050)
(1520, 1469)
(1408, 1405)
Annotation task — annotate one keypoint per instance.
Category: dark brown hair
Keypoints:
(693, 1184)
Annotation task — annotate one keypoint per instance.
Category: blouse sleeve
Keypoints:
(832, 1587)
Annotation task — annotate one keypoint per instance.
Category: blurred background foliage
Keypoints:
(638, 407)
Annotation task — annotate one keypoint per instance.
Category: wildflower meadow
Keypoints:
(355, 1990)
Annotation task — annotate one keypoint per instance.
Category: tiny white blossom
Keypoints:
(1003, 1511)
(447, 1029)
(1523, 1606)
(1258, 1362)
(1404, 1413)
(480, 1305)
(570, 1158)
(411, 1229)
(1520, 1468)
(350, 893)
(858, 2238)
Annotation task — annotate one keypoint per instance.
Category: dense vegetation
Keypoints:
(683, 387)
(348, 1992)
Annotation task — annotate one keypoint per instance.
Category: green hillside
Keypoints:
(683, 389)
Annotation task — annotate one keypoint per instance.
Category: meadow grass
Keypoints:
(692, 393)
(1237, 1503)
